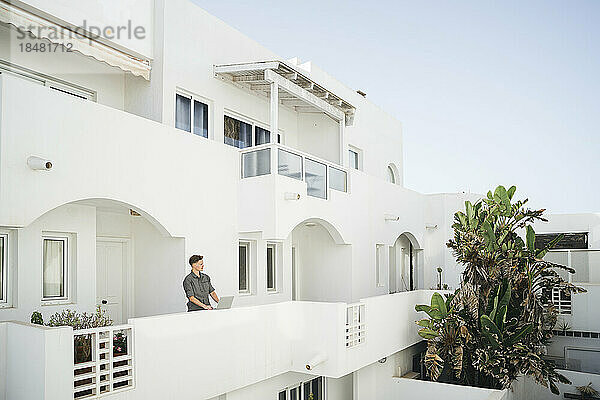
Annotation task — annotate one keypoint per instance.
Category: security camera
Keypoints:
(39, 164)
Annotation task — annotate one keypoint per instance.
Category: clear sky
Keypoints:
(489, 92)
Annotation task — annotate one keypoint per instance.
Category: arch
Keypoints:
(108, 203)
(413, 239)
(332, 229)
(319, 257)
(405, 266)
(392, 173)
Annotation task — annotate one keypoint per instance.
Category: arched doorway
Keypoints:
(321, 263)
(101, 252)
(404, 264)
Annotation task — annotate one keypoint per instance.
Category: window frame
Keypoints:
(274, 255)
(5, 299)
(193, 98)
(359, 158)
(247, 245)
(379, 261)
(66, 268)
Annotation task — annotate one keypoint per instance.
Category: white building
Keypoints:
(173, 134)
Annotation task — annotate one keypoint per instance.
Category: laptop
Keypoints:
(224, 303)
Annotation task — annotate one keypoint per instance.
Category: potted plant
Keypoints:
(587, 392)
(119, 344)
(82, 343)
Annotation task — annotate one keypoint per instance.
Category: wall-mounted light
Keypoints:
(390, 217)
(39, 164)
(316, 360)
(431, 226)
(291, 196)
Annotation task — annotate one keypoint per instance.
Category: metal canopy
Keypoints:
(295, 89)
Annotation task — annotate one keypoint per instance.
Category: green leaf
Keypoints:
(437, 302)
(427, 333)
(511, 192)
(422, 307)
(501, 318)
(530, 238)
(489, 235)
(525, 330)
(488, 326)
(425, 323)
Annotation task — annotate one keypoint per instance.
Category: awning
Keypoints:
(45, 29)
(296, 89)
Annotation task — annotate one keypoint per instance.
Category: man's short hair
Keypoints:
(194, 259)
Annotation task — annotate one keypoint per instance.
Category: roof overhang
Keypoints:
(75, 40)
(296, 89)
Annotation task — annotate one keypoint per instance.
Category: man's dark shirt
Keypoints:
(199, 287)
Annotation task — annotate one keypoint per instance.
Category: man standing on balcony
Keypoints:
(197, 286)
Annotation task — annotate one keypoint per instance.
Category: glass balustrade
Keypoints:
(290, 164)
(256, 163)
(318, 175)
(316, 178)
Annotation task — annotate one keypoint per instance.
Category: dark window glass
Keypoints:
(569, 240)
(282, 395)
(271, 267)
(2, 245)
(243, 254)
(183, 115)
(237, 133)
(200, 119)
(261, 136)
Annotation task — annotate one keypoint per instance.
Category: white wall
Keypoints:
(37, 358)
(79, 222)
(158, 265)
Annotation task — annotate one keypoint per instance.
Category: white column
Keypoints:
(342, 140)
(274, 111)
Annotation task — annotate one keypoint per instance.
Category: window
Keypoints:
(186, 118)
(313, 389)
(391, 175)
(237, 133)
(3, 268)
(55, 268)
(54, 84)
(379, 261)
(354, 156)
(271, 267)
(244, 267)
(261, 136)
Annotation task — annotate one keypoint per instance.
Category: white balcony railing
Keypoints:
(319, 175)
(356, 328)
(103, 361)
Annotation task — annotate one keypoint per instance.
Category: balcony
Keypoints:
(319, 175)
(242, 345)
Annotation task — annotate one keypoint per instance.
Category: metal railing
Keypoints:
(103, 361)
(356, 328)
(319, 175)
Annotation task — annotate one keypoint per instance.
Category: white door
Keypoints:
(110, 263)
